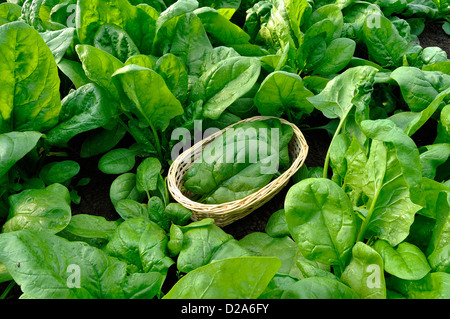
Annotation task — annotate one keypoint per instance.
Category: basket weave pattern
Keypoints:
(226, 213)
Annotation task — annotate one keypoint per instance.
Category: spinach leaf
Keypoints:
(406, 261)
(114, 40)
(364, 274)
(156, 107)
(39, 210)
(386, 46)
(59, 172)
(222, 279)
(14, 146)
(85, 109)
(29, 79)
(91, 15)
(350, 105)
(224, 83)
(199, 246)
(117, 161)
(319, 288)
(281, 93)
(321, 220)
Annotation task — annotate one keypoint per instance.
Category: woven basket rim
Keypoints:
(254, 198)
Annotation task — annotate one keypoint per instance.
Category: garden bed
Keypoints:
(90, 104)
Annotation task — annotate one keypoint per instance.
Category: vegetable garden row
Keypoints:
(113, 80)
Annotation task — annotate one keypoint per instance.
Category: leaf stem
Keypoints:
(8, 289)
(366, 221)
(327, 158)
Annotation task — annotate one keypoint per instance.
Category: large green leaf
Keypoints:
(231, 278)
(39, 210)
(85, 109)
(321, 220)
(281, 92)
(419, 88)
(406, 261)
(29, 97)
(319, 288)
(386, 46)
(91, 15)
(150, 98)
(223, 84)
(365, 273)
(391, 211)
(99, 66)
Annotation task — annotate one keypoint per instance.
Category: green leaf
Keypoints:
(319, 288)
(39, 210)
(99, 66)
(405, 261)
(404, 147)
(59, 41)
(102, 141)
(411, 122)
(14, 146)
(435, 285)
(29, 79)
(59, 172)
(391, 211)
(321, 220)
(438, 250)
(346, 97)
(220, 28)
(386, 46)
(281, 92)
(338, 54)
(276, 225)
(74, 71)
(85, 109)
(178, 214)
(142, 244)
(117, 161)
(150, 98)
(434, 156)
(231, 278)
(129, 208)
(114, 40)
(190, 42)
(419, 88)
(284, 248)
(199, 245)
(365, 273)
(90, 226)
(91, 15)
(227, 81)
(9, 12)
(148, 173)
(171, 69)
(124, 187)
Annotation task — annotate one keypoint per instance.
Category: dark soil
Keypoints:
(434, 36)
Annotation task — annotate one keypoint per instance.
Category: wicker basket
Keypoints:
(226, 213)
